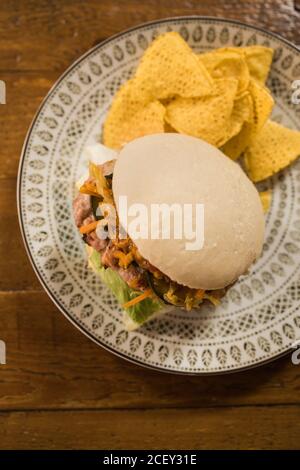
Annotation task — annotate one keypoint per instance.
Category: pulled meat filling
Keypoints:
(122, 255)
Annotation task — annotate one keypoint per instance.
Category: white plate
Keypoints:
(259, 319)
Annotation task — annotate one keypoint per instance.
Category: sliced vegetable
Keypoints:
(159, 286)
(138, 313)
(95, 207)
(214, 300)
(189, 301)
(200, 294)
(89, 227)
(90, 189)
(96, 173)
(124, 258)
(174, 294)
(138, 299)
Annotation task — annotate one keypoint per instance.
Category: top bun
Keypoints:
(175, 168)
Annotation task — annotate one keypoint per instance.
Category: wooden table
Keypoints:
(58, 389)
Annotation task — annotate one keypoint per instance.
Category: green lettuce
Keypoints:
(138, 313)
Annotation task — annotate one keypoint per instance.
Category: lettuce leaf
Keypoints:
(138, 313)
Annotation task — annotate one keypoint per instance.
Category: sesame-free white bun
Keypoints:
(174, 168)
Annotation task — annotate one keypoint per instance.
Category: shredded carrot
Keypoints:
(134, 283)
(96, 173)
(157, 274)
(89, 227)
(90, 189)
(107, 194)
(200, 294)
(212, 299)
(121, 243)
(138, 299)
(137, 254)
(124, 259)
(89, 193)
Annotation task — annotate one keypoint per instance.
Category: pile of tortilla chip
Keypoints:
(218, 96)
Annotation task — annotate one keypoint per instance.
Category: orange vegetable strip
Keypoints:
(89, 227)
(89, 188)
(88, 192)
(200, 293)
(124, 259)
(138, 299)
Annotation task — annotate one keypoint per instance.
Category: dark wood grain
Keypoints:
(24, 91)
(59, 389)
(41, 35)
(52, 365)
(15, 269)
(210, 428)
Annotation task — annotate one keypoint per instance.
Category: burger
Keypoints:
(150, 268)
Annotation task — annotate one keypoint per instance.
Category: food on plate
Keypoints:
(258, 60)
(274, 148)
(216, 125)
(219, 96)
(223, 64)
(169, 68)
(131, 116)
(266, 199)
(150, 275)
(171, 136)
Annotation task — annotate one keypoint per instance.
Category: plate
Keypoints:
(259, 319)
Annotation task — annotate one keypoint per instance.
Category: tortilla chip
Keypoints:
(205, 117)
(227, 65)
(169, 68)
(132, 116)
(266, 199)
(273, 149)
(169, 129)
(238, 144)
(263, 104)
(242, 112)
(261, 108)
(258, 59)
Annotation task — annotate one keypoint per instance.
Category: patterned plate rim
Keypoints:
(20, 173)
